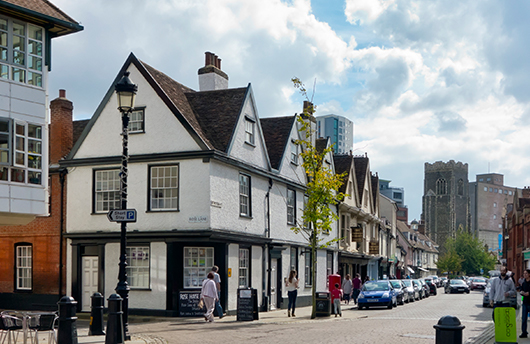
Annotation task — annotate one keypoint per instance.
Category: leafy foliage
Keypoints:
(322, 190)
(466, 254)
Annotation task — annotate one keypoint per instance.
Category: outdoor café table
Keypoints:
(29, 319)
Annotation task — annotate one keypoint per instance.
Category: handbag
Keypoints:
(201, 304)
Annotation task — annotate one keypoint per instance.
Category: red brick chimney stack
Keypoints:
(526, 192)
(61, 127)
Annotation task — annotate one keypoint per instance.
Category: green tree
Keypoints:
(473, 254)
(322, 191)
(450, 262)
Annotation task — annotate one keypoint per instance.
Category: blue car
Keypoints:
(377, 293)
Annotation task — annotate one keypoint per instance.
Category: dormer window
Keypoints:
(21, 52)
(249, 130)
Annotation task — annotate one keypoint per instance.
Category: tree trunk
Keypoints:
(313, 273)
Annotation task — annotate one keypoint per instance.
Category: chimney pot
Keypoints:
(62, 93)
(219, 63)
(208, 58)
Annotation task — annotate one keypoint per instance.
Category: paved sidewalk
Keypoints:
(303, 314)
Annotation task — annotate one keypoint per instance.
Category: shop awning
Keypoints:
(422, 269)
(411, 271)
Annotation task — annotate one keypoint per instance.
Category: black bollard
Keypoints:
(67, 333)
(449, 330)
(115, 334)
(96, 315)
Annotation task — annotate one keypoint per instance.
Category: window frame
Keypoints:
(244, 270)
(19, 288)
(294, 153)
(26, 68)
(250, 131)
(308, 263)
(247, 196)
(150, 189)
(291, 206)
(9, 135)
(142, 121)
(130, 268)
(201, 270)
(95, 191)
(293, 260)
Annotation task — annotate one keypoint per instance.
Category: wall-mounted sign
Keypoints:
(374, 248)
(216, 204)
(195, 219)
(357, 234)
(229, 272)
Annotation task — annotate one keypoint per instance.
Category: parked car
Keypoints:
(421, 291)
(377, 293)
(456, 286)
(443, 280)
(401, 291)
(437, 281)
(478, 283)
(426, 290)
(431, 285)
(486, 295)
(413, 291)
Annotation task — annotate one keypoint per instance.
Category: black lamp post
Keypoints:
(126, 92)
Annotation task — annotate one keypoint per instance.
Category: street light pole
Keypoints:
(126, 92)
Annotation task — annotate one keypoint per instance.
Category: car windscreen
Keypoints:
(457, 282)
(375, 286)
(479, 280)
(396, 284)
(408, 283)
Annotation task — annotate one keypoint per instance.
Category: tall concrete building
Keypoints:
(445, 200)
(339, 129)
(489, 198)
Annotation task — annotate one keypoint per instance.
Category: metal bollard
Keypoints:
(67, 333)
(96, 315)
(115, 333)
(449, 330)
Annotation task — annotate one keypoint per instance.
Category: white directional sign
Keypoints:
(125, 215)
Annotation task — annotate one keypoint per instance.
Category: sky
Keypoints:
(422, 81)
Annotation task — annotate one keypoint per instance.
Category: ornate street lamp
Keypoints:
(126, 92)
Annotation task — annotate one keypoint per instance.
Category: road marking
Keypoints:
(413, 335)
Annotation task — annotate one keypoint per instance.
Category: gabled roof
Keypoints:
(277, 131)
(361, 165)
(209, 117)
(217, 113)
(375, 189)
(41, 12)
(343, 164)
(78, 127)
(321, 144)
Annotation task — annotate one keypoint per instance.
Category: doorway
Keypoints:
(89, 280)
(274, 283)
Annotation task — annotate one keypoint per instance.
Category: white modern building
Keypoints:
(340, 131)
(26, 30)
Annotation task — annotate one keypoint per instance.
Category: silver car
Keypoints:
(413, 291)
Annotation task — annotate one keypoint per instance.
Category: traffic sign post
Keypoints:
(122, 215)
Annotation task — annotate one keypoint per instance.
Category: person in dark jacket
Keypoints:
(525, 291)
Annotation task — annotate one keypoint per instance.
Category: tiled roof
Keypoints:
(78, 127)
(375, 188)
(276, 131)
(361, 164)
(176, 93)
(217, 113)
(343, 164)
(37, 10)
(321, 144)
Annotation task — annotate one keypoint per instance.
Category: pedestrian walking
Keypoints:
(209, 296)
(525, 292)
(366, 279)
(291, 285)
(336, 296)
(502, 288)
(217, 280)
(347, 288)
(356, 284)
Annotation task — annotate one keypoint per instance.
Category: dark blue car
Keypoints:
(377, 293)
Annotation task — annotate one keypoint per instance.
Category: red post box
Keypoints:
(332, 279)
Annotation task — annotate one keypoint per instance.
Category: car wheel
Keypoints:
(445, 291)
(390, 305)
(359, 307)
(467, 291)
(402, 301)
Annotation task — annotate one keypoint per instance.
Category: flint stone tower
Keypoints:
(445, 200)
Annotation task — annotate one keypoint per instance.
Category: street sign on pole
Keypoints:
(122, 215)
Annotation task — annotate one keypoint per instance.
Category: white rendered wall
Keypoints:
(257, 271)
(194, 202)
(161, 125)
(212, 81)
(233, 282)
(143, 299)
